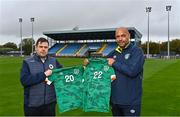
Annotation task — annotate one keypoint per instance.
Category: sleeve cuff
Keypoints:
(48, 81)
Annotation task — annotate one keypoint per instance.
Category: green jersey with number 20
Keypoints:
(68, 87)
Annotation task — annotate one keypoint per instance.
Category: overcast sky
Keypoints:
(57, 15)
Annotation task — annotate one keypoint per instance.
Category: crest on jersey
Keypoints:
(76, 71)
(61, 73)
(106, 68)
(92, 69)
(51, 66)
(127, 56)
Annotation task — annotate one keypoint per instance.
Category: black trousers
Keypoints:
(126, 110)
(44, 110)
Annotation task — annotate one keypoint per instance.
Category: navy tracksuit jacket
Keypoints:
(128, 66)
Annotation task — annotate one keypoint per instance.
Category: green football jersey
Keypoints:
(68, 87)
(97, 85)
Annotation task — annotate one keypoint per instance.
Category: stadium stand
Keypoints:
(94, 46)
(71, 49)
(83, 43)
(55, 48)
(83, 53)
(82, 50)
(109, 48)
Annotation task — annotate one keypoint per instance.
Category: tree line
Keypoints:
(10, 46)
(158, 48)
(154, 47)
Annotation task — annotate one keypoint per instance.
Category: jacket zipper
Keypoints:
(44, 86)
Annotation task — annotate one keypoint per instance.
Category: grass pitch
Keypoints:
(161, 88)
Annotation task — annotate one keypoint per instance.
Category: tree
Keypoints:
(10, 45)
(175, 46)
(27, 45)
(154, 48)
(144, 47)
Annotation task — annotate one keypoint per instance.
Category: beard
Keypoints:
(42, 54)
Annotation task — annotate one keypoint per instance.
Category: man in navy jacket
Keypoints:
(39, 98)
(127, 60)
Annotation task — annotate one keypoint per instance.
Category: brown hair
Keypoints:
(40, 40)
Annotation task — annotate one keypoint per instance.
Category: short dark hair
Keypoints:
(41, 39)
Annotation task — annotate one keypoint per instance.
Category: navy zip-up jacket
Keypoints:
(32, 77)
(128, 66)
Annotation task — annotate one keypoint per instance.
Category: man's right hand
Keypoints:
(48, 72)
(110, 61)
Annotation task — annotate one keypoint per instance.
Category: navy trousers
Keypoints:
(44, 110)
(126, 110)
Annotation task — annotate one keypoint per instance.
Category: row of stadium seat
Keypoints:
(55, 48)
(70, 49)
(81, 49)
(109, 48)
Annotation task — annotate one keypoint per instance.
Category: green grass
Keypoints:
(161, 88)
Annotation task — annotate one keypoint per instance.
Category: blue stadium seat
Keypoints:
(94, 46)
(71, 49)
(109, 48)
(82, 53)
(55, 48)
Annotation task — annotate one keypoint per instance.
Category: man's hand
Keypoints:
(85, 62)
(48, 72)
(110, 61)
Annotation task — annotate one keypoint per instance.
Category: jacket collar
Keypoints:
(36, 57)
(119, 49)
